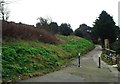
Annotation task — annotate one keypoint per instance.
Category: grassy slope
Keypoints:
(23, 59)
(105, 59)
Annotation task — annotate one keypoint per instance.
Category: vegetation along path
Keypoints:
(87, 72)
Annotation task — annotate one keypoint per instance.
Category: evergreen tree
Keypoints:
(105, 27)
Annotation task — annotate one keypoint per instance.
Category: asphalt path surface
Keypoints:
(87, 72)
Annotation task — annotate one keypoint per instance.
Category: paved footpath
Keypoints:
(87, 72)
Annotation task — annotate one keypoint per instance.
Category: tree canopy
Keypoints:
(54, 28)
(65, 29)
(4, 11)
(43, 23)
(78, 32)
(105, 27)
(83, 31)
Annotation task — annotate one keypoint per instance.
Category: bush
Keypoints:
(27, 32)
(65, 29)
(78, 32)
(115, 46)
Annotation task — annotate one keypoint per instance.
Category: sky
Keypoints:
(74, 12)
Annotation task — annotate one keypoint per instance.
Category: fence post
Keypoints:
(99, 63)
(78, 59)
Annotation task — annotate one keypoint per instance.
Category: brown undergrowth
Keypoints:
(27, 32)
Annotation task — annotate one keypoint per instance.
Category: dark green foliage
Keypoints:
(94, 36)
(54, 28)
(118, 33)
(105, 27)
(78, 32)
(65, 29)
(118, 30)
(116, 46)
(83, 31)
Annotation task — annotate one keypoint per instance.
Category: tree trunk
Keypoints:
(103, 46)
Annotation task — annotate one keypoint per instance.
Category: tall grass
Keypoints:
(27, 32)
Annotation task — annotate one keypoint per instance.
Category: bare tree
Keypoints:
(4, 11)
(44, 21)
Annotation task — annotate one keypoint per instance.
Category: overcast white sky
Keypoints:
(74, 12)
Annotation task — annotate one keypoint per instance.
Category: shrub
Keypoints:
(27, 32)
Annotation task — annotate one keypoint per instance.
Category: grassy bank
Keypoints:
(105, 59)
(24, 59)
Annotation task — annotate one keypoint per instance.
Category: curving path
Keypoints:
(88, 72)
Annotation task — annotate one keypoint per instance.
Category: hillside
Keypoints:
(23, 59)
(28, 51)
(26, 32)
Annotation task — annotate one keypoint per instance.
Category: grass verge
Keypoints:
(105, 59)
(24, 59)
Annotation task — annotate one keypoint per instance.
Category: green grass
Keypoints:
(23, 59)
(105, 59)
